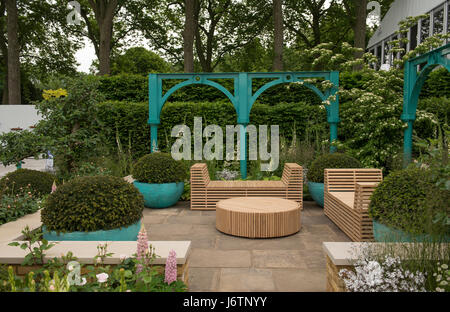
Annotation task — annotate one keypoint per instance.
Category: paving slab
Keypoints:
(203, 279)
(299, 280)
(213, 258)
(278, 259)
(246, 280)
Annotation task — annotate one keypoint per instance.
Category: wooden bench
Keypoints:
(347, 196)
(206, 193)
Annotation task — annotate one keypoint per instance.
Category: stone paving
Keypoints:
(220, 262)
(29, 163)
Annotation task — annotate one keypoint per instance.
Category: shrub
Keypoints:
(40, 182)
(409, 200)
(14, 206)
(158, 168)
(92, 203)
(328, 161)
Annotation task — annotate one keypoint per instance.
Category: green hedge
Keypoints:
(130, 119)
(134, 88)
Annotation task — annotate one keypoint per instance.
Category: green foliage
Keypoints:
(130, 119)
(92, 203)
(409, 200)
(330, 161)
(437, 84)
(139, 61)
(15, 146)
(38, 181)
(15, 206)
(124, 87)
(159, 168)
(70, 124)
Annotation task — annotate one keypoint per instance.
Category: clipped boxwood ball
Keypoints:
(92, 203)
(40, 182)
(159, 168)
(330, 161)
(409, 200)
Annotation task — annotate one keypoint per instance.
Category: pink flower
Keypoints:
(54, 186)
(142, 247)
(102, 277)
(171, 268)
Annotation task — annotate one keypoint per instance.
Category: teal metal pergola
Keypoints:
(242, 98)
(413, 83)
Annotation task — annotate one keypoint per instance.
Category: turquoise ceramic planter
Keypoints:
(160, 195)
(129, 233)
(383, 233)
(316, 192)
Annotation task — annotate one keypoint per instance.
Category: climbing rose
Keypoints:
(171, 268)
(142, 247)
(102, 277)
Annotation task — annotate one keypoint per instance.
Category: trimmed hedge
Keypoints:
(95, 203)
(131, 120)
(159, 168)
(330, 161)
(40, 182)
(409, 200)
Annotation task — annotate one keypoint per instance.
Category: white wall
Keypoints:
(17, 116)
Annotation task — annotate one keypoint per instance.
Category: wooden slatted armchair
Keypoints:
(347, 196)
(206, 193)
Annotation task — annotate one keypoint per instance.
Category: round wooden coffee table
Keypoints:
(258, 217)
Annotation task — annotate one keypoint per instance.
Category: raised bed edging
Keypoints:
(342, 255)
(85, 251)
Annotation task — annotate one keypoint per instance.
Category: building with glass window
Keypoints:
(437, 22)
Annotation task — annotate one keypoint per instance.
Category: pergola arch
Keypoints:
(242, 98)
(413, 83)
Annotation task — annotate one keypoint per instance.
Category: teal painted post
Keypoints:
(153, 138)
(407, 144)
(333, 136)
(19, 165)
(243, 119)
(334, 110)
(154, 98)
(243, 149)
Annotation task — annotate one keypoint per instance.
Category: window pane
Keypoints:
(379, 56)
(425, 29)
(438, 21)
(413, 40)
(448, 19)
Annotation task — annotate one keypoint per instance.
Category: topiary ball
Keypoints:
(92, 203)
(330, 161)
(409, 200)
(38, 181)
(159, 168)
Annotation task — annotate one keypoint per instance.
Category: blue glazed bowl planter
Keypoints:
(160, 195)
(383, 233)
(129, 233)
(316, 192)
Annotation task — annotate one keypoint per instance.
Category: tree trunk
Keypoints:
(360, 28)
(104, 58)
(188, 36)
(278, 35)
(104, 11)
(13, 53)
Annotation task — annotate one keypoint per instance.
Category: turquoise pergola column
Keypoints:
(242, 98)
(413, 83)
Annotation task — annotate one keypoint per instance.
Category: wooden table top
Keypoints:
(258, 204)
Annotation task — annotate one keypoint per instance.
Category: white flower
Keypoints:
(70, 267)
(102, 277)
(123, 257)
(83, 281)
